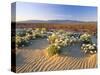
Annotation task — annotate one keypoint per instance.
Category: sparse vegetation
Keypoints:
(89, 48)
(24, 37)
(85, 38)
(60, 45)
(78, 27)
(57, 39)
(53, 50)
(52, 38)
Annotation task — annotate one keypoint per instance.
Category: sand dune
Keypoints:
(36, 60)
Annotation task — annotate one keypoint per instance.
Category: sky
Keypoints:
(41, 11)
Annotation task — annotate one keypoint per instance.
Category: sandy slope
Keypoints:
(36, 60)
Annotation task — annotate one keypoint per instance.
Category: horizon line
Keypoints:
(57, 19)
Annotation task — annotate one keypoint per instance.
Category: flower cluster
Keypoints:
(89, 48)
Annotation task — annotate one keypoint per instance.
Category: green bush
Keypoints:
(18, 41)
(40, 32)
(52, 38)
(22, 33)
(53, 50)
(21, 41)
(85, 38)
(43, 30)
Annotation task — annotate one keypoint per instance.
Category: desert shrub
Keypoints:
(28, 37)
(40, 32)
(63, 42)
(69, 33)
(89, 48)
(53, 50)
(18, 40)
(33, 35)
(37, 29)
(23, 38)
(61, 31)
(52, 38)
(43, 30)
(37, 32)
(22, 41)
(61, 39)
(38, 35)
(29, 31)
(85, 38)
(22, 33)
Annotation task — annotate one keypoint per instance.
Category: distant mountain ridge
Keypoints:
(53, 21)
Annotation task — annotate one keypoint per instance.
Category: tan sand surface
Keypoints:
(37, 60)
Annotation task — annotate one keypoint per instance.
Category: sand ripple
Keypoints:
(37, 60)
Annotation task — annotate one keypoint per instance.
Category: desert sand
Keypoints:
(29, 60)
